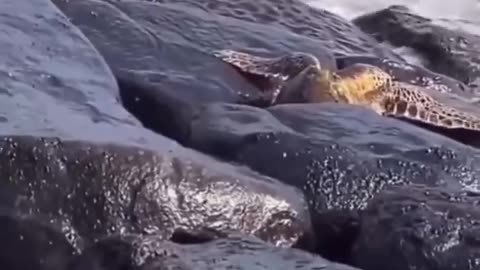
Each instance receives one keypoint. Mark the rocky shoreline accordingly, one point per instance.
(123, 146)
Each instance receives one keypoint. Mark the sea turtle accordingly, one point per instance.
(272, 72)
(303, 80)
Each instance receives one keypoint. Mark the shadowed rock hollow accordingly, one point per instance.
(231, 252)
(33, 244)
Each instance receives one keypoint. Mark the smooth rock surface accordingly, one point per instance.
(334, 32)
(232, 252)
(54, 83)
(418, 227)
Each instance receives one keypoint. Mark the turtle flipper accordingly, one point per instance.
(412, 103)
(283, 67)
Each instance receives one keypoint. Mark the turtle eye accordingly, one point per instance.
(388, 82)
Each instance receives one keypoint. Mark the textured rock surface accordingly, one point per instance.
(88, 191)
(339, 161)
(232, 252)
(417, 227)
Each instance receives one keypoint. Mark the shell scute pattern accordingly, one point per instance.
(411, 102)
(399, 99)
(381, 78)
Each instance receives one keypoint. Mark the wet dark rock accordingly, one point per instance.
(159, 109)
(88, 190)
(334, 32)
(232, 252)
(28, 244)
(54, 82)
(453, 53)
(261, 25)
(168, 69)
(420, 227)
(110, 253)
(339, 155)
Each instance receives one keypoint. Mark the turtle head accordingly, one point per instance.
(360, 84)
(310, 85)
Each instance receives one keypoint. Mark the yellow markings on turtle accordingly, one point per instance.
(370, 86)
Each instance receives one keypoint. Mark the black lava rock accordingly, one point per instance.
(136, 252)
(339, 163)
(89, 191)
(29, 244)
(418, 227)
